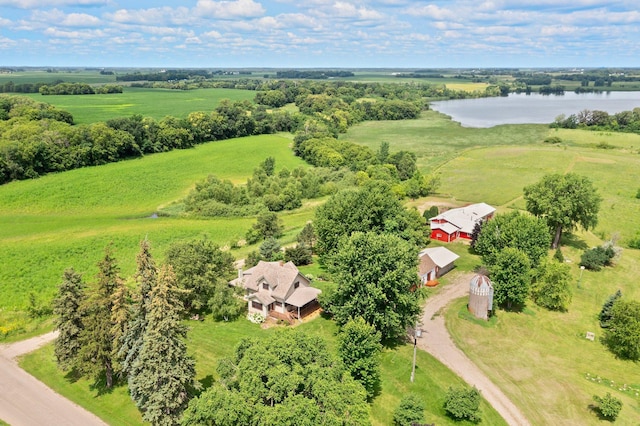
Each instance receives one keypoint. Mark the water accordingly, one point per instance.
(533, 108)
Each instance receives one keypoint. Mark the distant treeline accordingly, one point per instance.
(311, 74)
(625, 121)
(79, 89)
(418, 74)
(178, 75)
(58, 87)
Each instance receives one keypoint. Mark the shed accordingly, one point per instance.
(435, 262)
(480, 296)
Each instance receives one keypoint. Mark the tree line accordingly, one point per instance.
(78, 89)
(624, 121)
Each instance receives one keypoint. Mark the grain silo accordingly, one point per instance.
(480, 296)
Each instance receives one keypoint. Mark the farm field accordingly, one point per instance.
(71, 76)
(66, 219)
(155, 103)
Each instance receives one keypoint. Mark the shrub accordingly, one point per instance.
(594, 259)
(409, 411)
(638, 193)
(609, 406)
(553, 140)
(622, 337)
(299, 255)
(558, 255)
(635, 242)
(463, 403)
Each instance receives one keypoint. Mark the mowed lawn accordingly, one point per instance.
(66, 220)
(209, 342)
(155, 103)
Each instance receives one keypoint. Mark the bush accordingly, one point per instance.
(463, 403)
(299, 255)
(409, 411)
(609, 406)
(558, 255)
(594, 259)
(553, 140)
(431, 212)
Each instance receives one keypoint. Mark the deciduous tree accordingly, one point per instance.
(359, 347)
(551, 287)
(511, 276)
(564, 201)
(622, 337)
(376, 275)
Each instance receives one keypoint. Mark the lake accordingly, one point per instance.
(533, 108)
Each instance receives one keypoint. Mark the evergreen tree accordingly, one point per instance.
(67, 306)
(307, 236)
(605, 313)
(160, 389)
(146, 274)
(120, 317)
(96, 352)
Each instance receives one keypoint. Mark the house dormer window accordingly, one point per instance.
(265, 286)
(296, 285)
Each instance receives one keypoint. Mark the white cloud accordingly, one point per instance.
(229, 9)
(39, 4)
(153, 16)
(77, 34)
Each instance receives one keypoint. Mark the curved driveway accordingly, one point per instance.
(437, 341)
(25, 400)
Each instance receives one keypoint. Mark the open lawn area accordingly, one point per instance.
(211, 341)
(155, 103)
(542, 360)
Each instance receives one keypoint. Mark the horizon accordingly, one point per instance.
(282, 34)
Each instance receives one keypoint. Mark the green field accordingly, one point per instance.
(66, 219)
(155, 103)
(41, 76)
(209, 342)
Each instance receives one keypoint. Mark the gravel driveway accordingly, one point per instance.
(437, 341)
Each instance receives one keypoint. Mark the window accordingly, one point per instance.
(296, 284)
(256, 305)
(278, 304)
(265, 286)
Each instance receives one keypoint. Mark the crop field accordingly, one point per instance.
(155, 103)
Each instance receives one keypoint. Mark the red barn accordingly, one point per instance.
(459, 223)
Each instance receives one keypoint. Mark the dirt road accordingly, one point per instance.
(27, 401)
(437, 341)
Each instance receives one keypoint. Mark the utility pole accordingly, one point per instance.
(417, 332)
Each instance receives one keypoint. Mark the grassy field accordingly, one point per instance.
(436, 139)
(543, 361)
(210, 341)
(155, 103)
(66, 219)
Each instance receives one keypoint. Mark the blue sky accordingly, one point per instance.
(320, 33)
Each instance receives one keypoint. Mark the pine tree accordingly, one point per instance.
(605, 313)
(146, 275)
(67, 308)
(160, 389)
(120, 317)
(96, 352)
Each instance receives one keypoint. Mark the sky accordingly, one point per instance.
(320, 33)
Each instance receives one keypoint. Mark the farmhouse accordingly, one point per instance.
(435, 262)
(459, 223)
(279, 290)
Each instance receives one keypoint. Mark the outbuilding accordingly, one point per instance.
(480, 297)
(435, 262)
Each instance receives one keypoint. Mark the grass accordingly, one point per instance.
(63, 220)
(436, 139)
(75, 76)
(210, 341)
(540, 359)
(155, 103)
